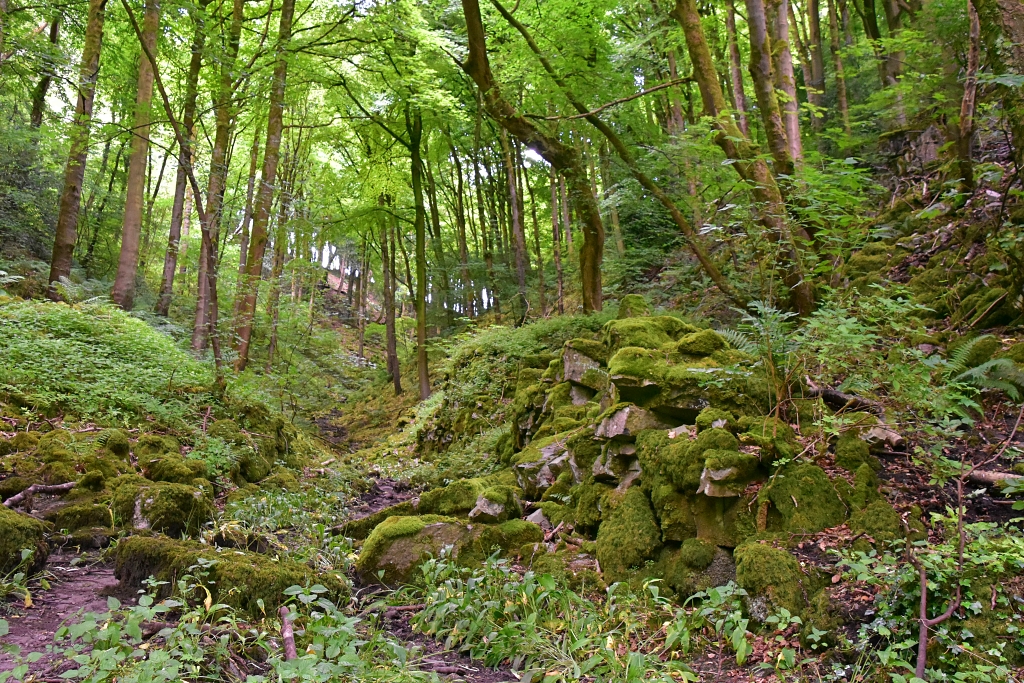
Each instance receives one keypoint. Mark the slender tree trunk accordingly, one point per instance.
(785, 78)
(735, 68)
(243, 247)
(414, 126)
(387, 261)
(74, 172)
(274, 300)
(43, 86)
(153, 191)
(437, 242)
(869, 17)
(360, 286)
(966, 129)
(566, 218)
(468, 293)
(837, 64)
(163, 302)
(816, 87)
(186, 227)
(764, 86)
(556, 246)
(541, 288)
(613, 210)
(518, 237)
(246, 297)
(123, 293)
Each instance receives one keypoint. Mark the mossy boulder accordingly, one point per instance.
(396, 547)
(694, 566)
(496, 504)
(803, 499)
(710, 418)
(633, 306)
(172, 509)
(81, 515)
(628, 537)
(227, 430)
(175, 469)
(24, 441)
(852, 451)
(12, 486)
(647, 332)
(775, 439)
(360, 528)
(20, 532)
(703, 343)
(588, 502)
(234, 577)
(458, 498)
(92, 481)
(539, 465)
(673, 510)
(282, 480)
(152, 445)
(771, 573)
(879, 521)
(115, 441)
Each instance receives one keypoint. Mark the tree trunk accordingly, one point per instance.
(74, 172)
(563, 157)
(391, 342)
(468, 293)
(817, 85)
(246, 296)
(274, 300)
(437, 242)
(163, 302)
(243, 246)
(152, 192)
(837, 64)
(541, 289)
(785, 78)
(613, 210)
(43, 86)
(566, 218)
(556, 246)
(966, 129)
(764, 85)
(123, 293)
(738, 95)
(518, 237)
(414, 127)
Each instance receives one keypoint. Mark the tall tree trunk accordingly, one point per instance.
(224, 116)
(280, 251)
(246, 296)
(817, 85)
(764, 85)
(163, 302)
(360, 296)
(123, 293)
(74, 172)
(785, 78)
(541, 289)
(43, 86)
(566, 218)
(556, 242)
(869, 17)
(837, 64)
(387, 260)
(152, 192)
(966, 128)
(437, 243)
(749, 164)
(468, 293)
(735, 68)
(613, 209)
(563, 157)
(518, 237)
(243, 246)
(414, 127)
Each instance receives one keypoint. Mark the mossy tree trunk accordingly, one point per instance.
(761, 75)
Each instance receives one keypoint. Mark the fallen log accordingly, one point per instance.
(990, 478)
(19, 498)
(838, 400)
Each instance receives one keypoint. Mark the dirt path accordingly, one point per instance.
(73, 590)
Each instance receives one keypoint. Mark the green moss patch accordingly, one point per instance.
(19, 532)
(628, 537)
(173, 509)
(804, 499)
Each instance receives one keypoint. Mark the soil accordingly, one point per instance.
(382, 493)
(74, 590)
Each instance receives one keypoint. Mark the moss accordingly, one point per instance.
(554, 370)
(595, 379)
(508, 496)
(106, 462)
(590, 348)
(281, 479)
(1014, 353)
(628, 536)
(6, 448)
(539, 361)
(981, 352)
(587, 501)
(585, 448)
(633, 306)
(237, 578)
(169, 508)
(561, 489)
(648, 333)
(25, 441)
(253, 466)
(227, 430)
(804, 499)
(518, 532)
(93, 480)
(641, 364)
(703, 343)
(879, 521)
(556, 512)
(175, 469)
(673, 509)
(458, 498)
(151, 445)
(58, 473)
(55, 441)
(361, 528)
(852, 451)
(81, 515)
(696, 554)
(865, 487)
(771, 572)
(774, 437)
(707, 418)
(683, 462)
(115, 441)
(12, 486)
(19, 532)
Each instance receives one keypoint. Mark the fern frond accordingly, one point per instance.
(999, 373)
(739, 341)
(958, 361)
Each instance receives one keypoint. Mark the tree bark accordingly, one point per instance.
(414, 127)
(437, 242)
(518, 236)
(735, 67)
(163, 303)
(816, 88)
(74, 172)
(391, 342)
(123, 293)
(254, 160)
(43, 86)
(966, 128)
(541, 288)
(764, 85)
(562, 157)
(468, 293)
(785, 78)
(837, 64)
(556, 242)
(249, 285)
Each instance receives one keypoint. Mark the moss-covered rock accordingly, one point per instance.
(458, 498)
(20, 532)
(281, 479)
(91, 481)
(703, 343)
(25, 441)
(673, 510)
(175, 469)
(360, 528)
(588, 503)
(715, 418)
(173, 509)
(397, 546)
(633, 306)
(539, 465)
(81, 515)
(153, 445)
(803, 499)
(227, 430)
(12, 486)
(115, 441)
(775, 438)
(496, 504)
(764, 571)
(648, 332)
(852, 451)
(628, 537)
(879, 521)
(237, 578)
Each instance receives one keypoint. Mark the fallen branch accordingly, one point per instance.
(989, 478)
(287, 634)
(837, 400)
(17, 499)
(551, 534)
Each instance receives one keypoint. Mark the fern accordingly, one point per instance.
(740, 341)
(958, 360)
(999, 373)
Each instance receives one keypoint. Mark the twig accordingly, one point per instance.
(17, 499)
(837, 400)
(621, 100)
(551, 534)
(287, 634)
